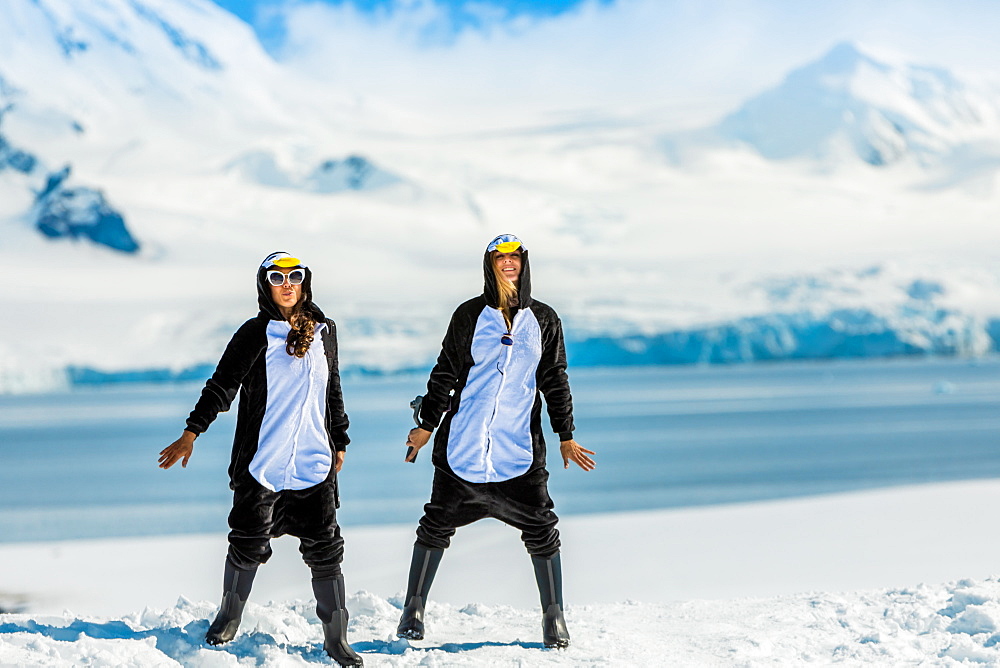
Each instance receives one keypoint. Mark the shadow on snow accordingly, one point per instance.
(177, 642)
(400, 646)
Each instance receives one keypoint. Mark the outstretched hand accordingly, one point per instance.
(179, 449)
(574, 452)
(416, 439)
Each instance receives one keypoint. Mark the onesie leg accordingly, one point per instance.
(454, 503)
(251, 524)
(311, 515)
(524, 503)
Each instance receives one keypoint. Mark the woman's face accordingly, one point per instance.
(286, 295)
(509, 264)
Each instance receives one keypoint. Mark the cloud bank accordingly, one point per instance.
(688, 59)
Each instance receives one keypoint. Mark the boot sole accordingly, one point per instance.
(222, 636)
(410, 635)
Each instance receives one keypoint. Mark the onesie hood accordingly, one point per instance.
(505, 243)
(267, 306)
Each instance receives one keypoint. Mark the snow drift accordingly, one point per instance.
(948, 625)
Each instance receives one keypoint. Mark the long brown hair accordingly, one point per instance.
(506, 291)
(303, 331)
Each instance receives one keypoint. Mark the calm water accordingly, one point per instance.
(83, 463)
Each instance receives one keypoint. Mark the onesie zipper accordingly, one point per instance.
(310, 393)
(496, 399)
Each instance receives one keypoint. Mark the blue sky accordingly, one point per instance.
(462, 13)
(245, 8)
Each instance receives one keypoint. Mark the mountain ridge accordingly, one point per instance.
(849, 102)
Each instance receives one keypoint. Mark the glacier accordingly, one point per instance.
(846, 333)
(874, 311)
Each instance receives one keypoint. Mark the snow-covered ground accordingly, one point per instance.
(887, 578)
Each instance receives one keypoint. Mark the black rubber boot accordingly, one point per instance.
(236, 584)
(423, 567)
(332, 612)
(548, 575)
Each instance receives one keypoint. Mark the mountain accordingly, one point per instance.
(151, 153)
(849, 104)
(354, 172)
(142, 91)
(61, 210)
(118, 67)
(153, 86)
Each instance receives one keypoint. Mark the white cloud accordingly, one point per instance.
(684, 55)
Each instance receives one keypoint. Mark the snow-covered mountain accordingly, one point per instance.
(354, 172)
(113, 70)
(852, 104)
(139, 137)
(147, 88)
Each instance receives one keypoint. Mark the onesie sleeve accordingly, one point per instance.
(220, 390)
(336, 418)
(444, 375)
(552, 379)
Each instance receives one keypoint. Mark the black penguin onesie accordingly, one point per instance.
(291, 419)
(489, 453)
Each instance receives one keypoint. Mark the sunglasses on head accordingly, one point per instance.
(295, 277)
(505, 243)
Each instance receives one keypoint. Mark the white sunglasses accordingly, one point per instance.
(295, 277)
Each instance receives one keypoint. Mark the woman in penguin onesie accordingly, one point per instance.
(501, 350)
(291, 438)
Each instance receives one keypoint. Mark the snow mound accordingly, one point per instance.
(941, 625)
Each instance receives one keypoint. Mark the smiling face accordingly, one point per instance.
(286, 295)
(508, 264)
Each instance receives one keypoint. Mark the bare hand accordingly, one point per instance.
(179, 449)
(574, 452)
(416, 439)
(339, 462)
